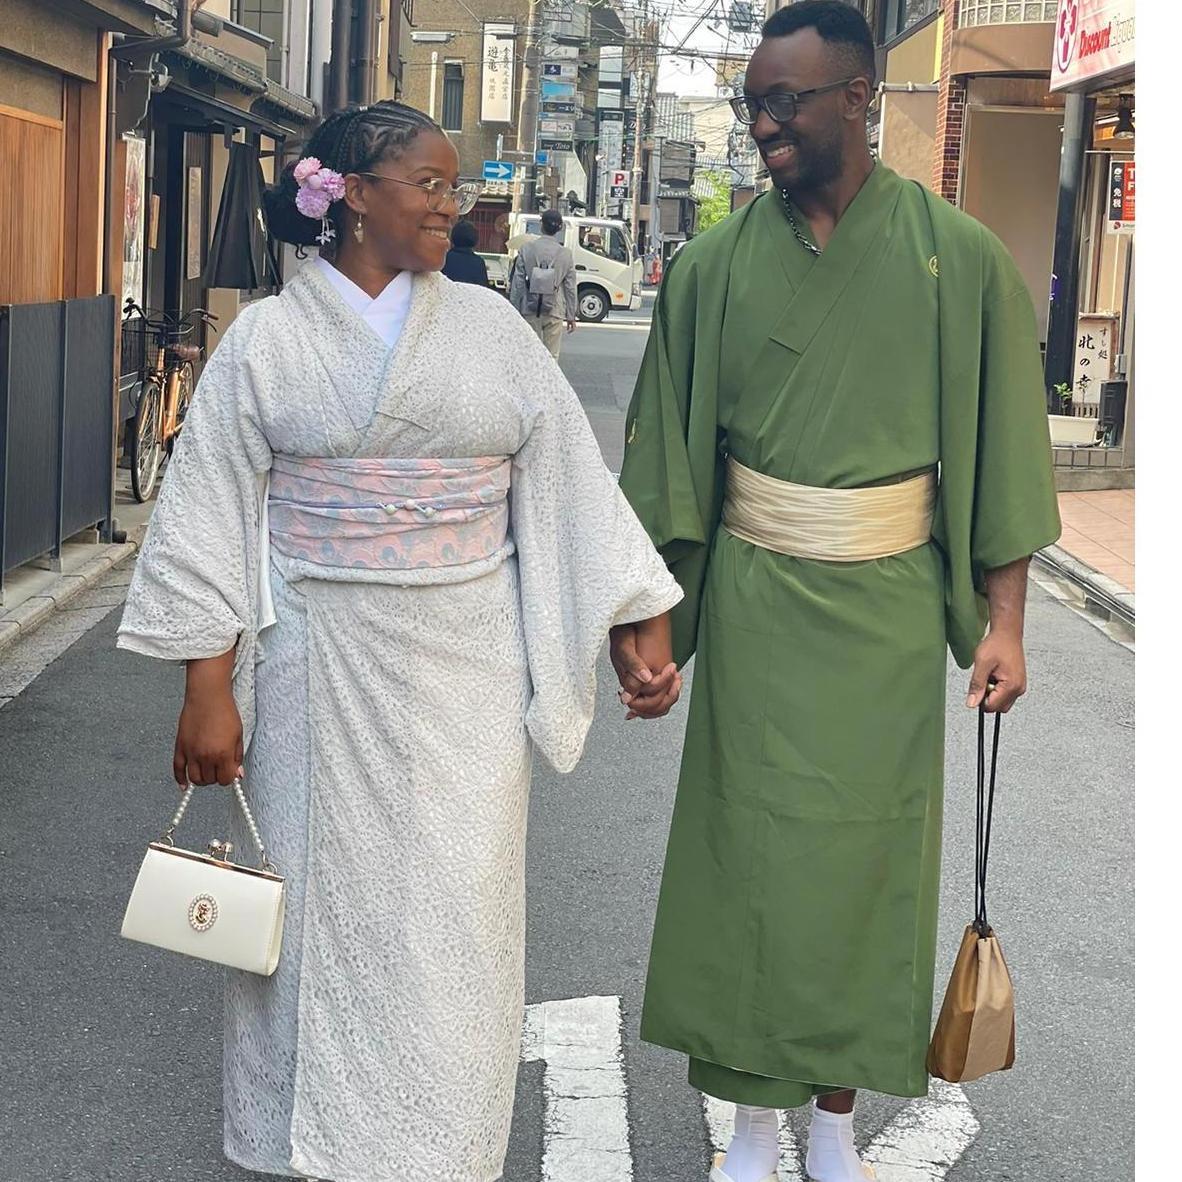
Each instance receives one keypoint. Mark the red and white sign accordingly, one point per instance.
(1094, 40)
(618, 179)
(1122, 197)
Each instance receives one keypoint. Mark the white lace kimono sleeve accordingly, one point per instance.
(193, 593)
(585, 561)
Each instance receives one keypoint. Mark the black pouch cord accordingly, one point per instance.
(984, 815)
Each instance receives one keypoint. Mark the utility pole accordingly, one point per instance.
(643, 105)
(338, 98)
(637, 170)
(525, 195)
(366, 52)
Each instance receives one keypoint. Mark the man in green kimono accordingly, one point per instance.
(839, 443)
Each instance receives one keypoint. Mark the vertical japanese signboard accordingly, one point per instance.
(1122, 197)
(496, 82)
(1094, 355)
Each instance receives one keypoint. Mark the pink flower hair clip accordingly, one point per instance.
(319, 187)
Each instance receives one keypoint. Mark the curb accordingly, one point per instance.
(26, 617)
(1102, 595)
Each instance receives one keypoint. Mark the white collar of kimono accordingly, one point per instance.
(386, 313)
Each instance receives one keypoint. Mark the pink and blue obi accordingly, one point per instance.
(388, 514)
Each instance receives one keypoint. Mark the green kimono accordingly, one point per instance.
(794, 946)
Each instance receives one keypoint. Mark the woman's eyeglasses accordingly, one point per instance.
(781, 107)
(439, 192)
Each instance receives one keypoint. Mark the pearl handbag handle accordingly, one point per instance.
(264, 862)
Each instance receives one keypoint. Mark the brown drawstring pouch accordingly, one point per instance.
(975, 1031)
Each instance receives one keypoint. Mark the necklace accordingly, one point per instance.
(810, 246)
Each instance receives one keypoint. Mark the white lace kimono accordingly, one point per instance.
(392, 713)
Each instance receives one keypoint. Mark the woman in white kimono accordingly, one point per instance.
(388, 549)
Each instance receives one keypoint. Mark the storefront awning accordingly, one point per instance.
(273, 109)
(203, 112)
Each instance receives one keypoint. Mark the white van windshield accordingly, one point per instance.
(607, 241)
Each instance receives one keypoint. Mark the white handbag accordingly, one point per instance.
(206, 906)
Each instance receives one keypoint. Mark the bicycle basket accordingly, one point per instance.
(136, 343)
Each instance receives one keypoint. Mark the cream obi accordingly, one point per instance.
(828, 524)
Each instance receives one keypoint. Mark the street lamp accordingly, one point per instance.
(1124, 119)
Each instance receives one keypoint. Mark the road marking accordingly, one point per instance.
(927, 1138)
(585, 1123)
(921, 1144)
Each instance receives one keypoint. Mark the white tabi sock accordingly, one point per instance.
(754, 1151)
(831, 1154)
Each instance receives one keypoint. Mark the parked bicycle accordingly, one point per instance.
(166, 369)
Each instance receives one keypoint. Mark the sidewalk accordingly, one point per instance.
(1098, 531)
(32, 593)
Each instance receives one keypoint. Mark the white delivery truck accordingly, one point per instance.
(609, 273)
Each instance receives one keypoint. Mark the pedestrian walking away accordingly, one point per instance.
(388, 588)
(839, 443)
(542, 285)
(463, 264)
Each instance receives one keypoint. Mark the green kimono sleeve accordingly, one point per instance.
(997, 498)
(673, 472)
(1015, 510)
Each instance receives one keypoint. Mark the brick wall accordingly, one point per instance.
(950, 112)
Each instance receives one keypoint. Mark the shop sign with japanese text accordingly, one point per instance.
(496, 83)
(1122, 196)
(1094, 355)
(1095, 40)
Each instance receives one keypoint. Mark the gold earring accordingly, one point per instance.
(359, 230)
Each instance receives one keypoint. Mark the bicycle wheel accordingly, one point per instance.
(146, 444)
(184, 396)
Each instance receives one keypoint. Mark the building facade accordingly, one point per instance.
(1023, 114)
(1029, 149)
(125, 118)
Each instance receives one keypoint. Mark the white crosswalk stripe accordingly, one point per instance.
(585, 1135)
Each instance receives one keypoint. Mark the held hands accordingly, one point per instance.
(209, 734)
(999, 672)
(642, 654)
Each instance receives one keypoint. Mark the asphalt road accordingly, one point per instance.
(111, 1052)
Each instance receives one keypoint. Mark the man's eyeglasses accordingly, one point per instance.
(781, 107)
(439, 192)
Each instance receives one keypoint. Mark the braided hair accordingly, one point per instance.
(352, 140)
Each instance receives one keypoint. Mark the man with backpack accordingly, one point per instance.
(542, 286)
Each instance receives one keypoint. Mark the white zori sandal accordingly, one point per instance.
(867, 1171)
(718, 1175)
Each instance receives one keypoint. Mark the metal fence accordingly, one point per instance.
(56, 407)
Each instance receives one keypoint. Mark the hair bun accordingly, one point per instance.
(284, 220)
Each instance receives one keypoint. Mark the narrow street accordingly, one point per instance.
(112, 1050)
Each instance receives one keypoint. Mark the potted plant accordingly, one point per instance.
(1061, 400)
(1068, 430)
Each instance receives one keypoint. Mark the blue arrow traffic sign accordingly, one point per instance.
(498, 170)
